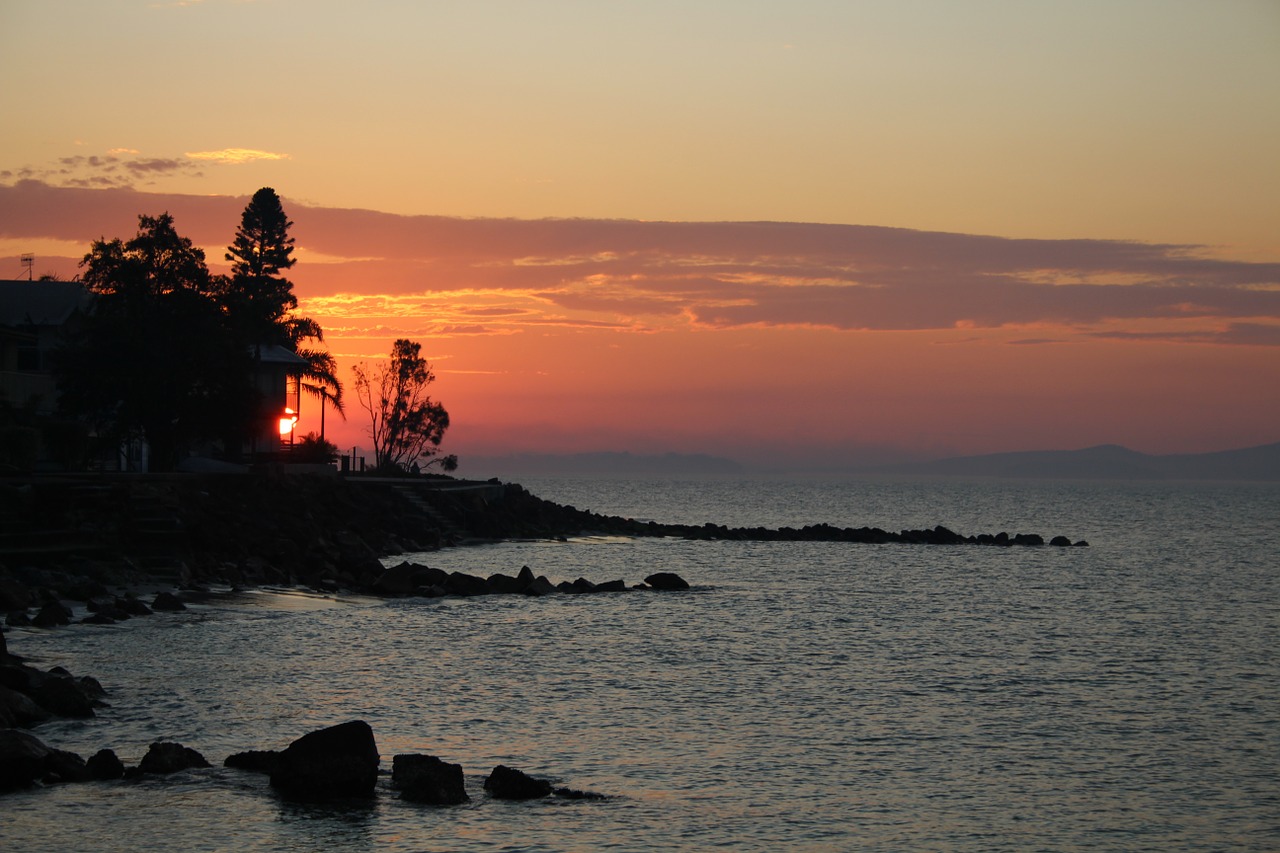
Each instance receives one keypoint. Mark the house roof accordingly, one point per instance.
(273, 354)
(41, 303)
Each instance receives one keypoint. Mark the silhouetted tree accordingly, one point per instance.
(257, 297)
(406, 424)
(259, 301)
(155, 359)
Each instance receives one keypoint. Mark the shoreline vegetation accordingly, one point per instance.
(97, 542)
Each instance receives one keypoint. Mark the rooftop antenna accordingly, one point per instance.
(29, 261)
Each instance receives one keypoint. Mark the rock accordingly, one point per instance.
(15, 619)
(167, 601)
(4, 645)
(573, 794)
(104, 764)
(61, 696)
(467, 585)
(340, 761)
(24, 759)
(581, 585)
(19, 710)
(61, 766)
(1060, 541)
(507, 783)
(97, 619)
(539, 586)
(90, 687)
(255, 760)
(167, 757)
(525, 577)
(397, 580)
(133, 606)
(501, 584)
(408, 578)
(14, 595)
(427, 779)
(52, 615)
(612, 586)
(666, 581)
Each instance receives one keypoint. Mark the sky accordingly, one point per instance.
(780, 232)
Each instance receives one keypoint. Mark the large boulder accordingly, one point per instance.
(666, 581)
(340, 761)
(507, 783)
(427, 779)
(167, 757)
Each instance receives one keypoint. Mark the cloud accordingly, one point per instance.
(502, 275)
(235, 156)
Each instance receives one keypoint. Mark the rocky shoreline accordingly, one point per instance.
(97, 541)
(76, 537)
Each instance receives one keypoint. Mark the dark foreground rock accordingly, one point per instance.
(427, 779)
(25, 759)
(338, 762)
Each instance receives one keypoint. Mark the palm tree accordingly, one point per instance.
(320, 377)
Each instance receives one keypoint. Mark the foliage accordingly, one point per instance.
(312, 448)
(406, 424)
(260, 301)
(256, 296)
(155, 358)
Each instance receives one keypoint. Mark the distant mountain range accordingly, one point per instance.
(604, 463)
(1106, 462)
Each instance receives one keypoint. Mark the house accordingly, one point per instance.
(33, 317)
(276, 377)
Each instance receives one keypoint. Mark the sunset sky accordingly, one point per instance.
(850, 230)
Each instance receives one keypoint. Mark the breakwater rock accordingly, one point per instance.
(339, 763)
(72, 538)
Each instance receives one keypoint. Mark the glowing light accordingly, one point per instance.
(287, 421)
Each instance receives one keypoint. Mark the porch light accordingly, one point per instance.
(287, 421)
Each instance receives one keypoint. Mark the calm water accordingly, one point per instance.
(807, 696)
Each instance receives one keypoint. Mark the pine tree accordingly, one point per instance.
(257, 297)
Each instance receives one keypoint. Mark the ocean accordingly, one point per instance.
(802, 696)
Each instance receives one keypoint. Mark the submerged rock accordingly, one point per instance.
(666, 581)
(507, 783)
(167, 757)
(255, 760)
(340, 761)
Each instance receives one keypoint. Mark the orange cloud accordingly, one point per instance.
(752, 338)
